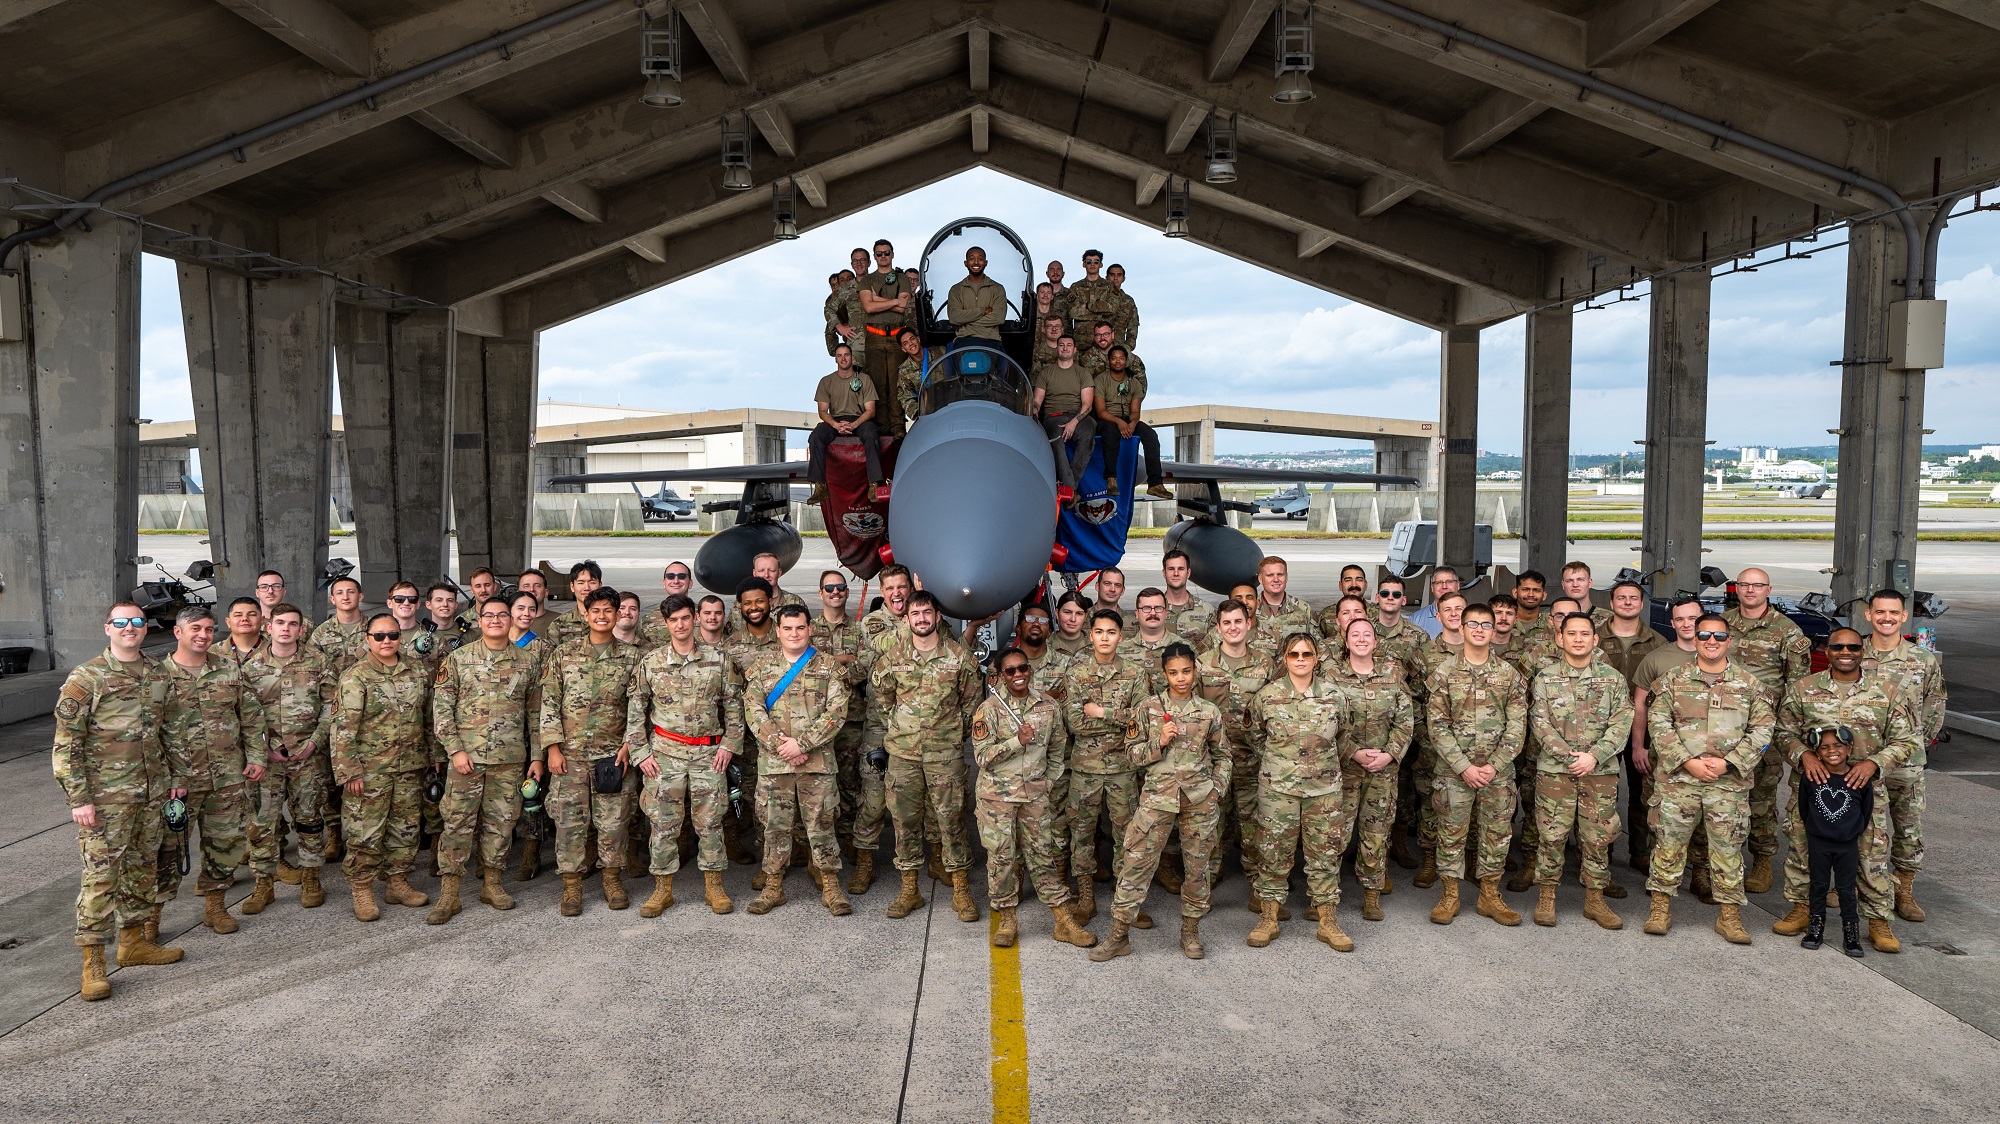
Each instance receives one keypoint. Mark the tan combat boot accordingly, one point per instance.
(1906, 896)
(832, 896)
(1595, 909)
(447, 906)
(961, 896)
(1169, 874)
(1400, 850)
(1729, 924)
(1427, 871)
(813, 873)
(1490, 903)
(95, 984)
(490, 890)
(1881, 936)
(1085, 906)
(152, 926)
(1700, 886)
(311, 894)
(1759, 878)
(663, 896)
(864, 873)
(1447, 906)
(772, 896)
(398, 889)
(1661, 918)
(136, 948)
(1524, 877)
(1191, 944)
(365, 908)
(614, 888)
(1267, 928)
(1330, 933)
(1115, 945)
(1006, 927)
(335, 848)
(216, 915)
(1793, 923)
(1613, 890)
(936, 866)
(1371, 905)
(1143, 921)
(1545, 908)
(260, 897)
(711, 889)
(287, 873)
(1068, 931)
(572, 895)
(909, 899)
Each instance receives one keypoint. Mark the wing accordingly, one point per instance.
(1234, 474)
(776, 473)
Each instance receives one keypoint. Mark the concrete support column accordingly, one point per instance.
(1404, 456)
(493, 455)
(1195, 444)
(1881, 428)
(396, 402)
(1545, 442)
(260, 364)
(1676, 432)
(69, 443)
(763, 444)
(1458, 456)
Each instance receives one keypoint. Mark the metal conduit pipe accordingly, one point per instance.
(313, 112)
(1937, 224)
(1913, 238)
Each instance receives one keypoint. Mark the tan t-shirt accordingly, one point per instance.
(845, 397)
(1117, 401)
(1062, 387)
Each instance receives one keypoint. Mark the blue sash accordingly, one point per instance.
(778, 692)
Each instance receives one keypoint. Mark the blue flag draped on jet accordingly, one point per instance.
(1095, 531)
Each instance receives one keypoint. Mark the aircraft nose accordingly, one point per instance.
(973, 509)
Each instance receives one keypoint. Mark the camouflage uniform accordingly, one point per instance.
(1124, 319)
(1144, 654)
(1293, 615)
(1885, 727)
(1478, 716)
(924, 705)
(485, 703)
(1179, 789)
(737, 625)
(877, 629)
(1071, 648)
(1298, 786)
(1090, 303)
(345, 644)
(835, 310)
(1013, 804)
(1190, 622)
(381, 719)
(1420, 809)
(1230, 684)
(107, 754)
(212, 725)
(1380, 716)
(679, 710)
(1919, 676)
(583, 708)
(297, 694)
(1690, 714)
(858, 785)
(1051, 678)
(1772, 649)
(811, 711)
(743, 649)
(1578, 710)
(1102, 777)
(558, 629)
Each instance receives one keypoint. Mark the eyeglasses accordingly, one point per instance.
(1152, 608)
(1477, 624)
(1301, 655)
(1710, 634)
(270, 585)
(1843, 647)
(404, 599)
(833, 589)
(499, 616)
(1093, 261)
(1753, 585)
(384, 637)
(127, 622)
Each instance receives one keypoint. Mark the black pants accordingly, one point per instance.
(1070, 467)
(824, 435)
(1107, 442)
(1829, 860)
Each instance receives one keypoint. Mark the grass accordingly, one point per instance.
(1790, 536)
(1707, 517)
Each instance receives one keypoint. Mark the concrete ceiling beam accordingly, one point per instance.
(979, 58)
(1183, 122)
(1312, 242)
(472, 130)
(16, 11)
(982, 129)
(579, 200)
(812, 187)
(1147, 186)
(1240, 26)
(1379, 193)
(711, 24)
(652, 247)
(1983, 12)
(775, 125)
(1488, 123)
(1618, 30)
(1950, 148)
(315, 29)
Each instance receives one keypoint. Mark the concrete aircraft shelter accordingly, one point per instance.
(403, 194)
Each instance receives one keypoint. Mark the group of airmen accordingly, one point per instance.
(1089, 384)
(1128, 746)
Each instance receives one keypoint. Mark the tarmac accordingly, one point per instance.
(799, 1016)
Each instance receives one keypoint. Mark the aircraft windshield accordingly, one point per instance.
(943, 266)
(976, 373)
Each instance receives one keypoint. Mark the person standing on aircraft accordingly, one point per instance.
(846, 401)
(886, 297)
(1091, 300)
(910, 374)
(1063, 401)
(1124, 310)
(977, 305)
(1121, 391)
(1050, 331)
(843, 311)
(837, 330)
(1059, 294)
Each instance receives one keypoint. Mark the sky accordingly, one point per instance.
(1216, 330)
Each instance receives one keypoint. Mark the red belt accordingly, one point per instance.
(874, 331)
(683, 739)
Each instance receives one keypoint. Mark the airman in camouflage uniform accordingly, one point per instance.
(1578, 711)
(683, 711)
(1380, 716)
(1885, 731)
(1478, 720)
(858, 784)
(1093, 301)
(877, 629)
(1051, 678)
(381, 746)
(1230, 683)
(1124, 317)
(1919, 677)
(924, 704)
(585, 689)
(1011, 738)
(1144, 654)
(1773, 649)
(297, 694)
(1298, 797)
(485, 708)
(214, 732)
(1102, 777)
(108, 759)
(1722, 716)
(810, 712)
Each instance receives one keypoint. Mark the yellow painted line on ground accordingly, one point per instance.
(1010, 1034)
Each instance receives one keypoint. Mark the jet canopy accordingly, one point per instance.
(1008, 262)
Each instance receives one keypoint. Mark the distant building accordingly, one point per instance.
(1788, 470)
(1992, 451)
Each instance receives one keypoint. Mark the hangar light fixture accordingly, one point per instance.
(1177, 207)
(784, 211)
(1294, 52)
(736, 153)
(660, 59)
(1221, 149)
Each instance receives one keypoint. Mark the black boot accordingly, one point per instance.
(1850, 937)
(1815, 929)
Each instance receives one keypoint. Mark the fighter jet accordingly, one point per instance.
(1292, 503)
(975, 508)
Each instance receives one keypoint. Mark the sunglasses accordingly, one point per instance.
(1390, 594)
(1017, 669)
(833, 589)
(384, 637)
(885, 253)
(404, 598)
(1843, 647)
(1301, 655)
(127, 622)
(1710, 634)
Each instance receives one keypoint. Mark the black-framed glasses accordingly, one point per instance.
(384, 637)
(127, 622)
(1710, 634)
(270, 585)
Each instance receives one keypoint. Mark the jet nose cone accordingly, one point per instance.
(973, 512)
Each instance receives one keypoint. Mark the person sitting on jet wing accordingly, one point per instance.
(977, 305)
(846, 399)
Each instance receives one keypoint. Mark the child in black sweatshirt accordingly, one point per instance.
(1835, 816)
